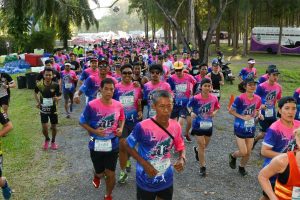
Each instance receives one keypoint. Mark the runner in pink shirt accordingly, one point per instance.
(186, 62)
(182, 86)
(152, 86)
(104, 120)
(155, 139)
(130, 96)
(199, 77)
(203, 107)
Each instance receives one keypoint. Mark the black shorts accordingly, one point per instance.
(179, 111)
(128, 127)
(45, 118)
(165, 194)
(207, 133)
(104, 160)
(265, 124)
(68, 95)
(273, 186)
(4, 100)
(244, 136)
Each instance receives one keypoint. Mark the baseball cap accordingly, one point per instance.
(215, 62)
(249, 80)
(103, 63)
(273, 71)
(178, 65)
(68, 63)
(251, 61)
(93, 59)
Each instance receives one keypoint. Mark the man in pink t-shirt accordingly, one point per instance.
(155, 139)
(104, 120)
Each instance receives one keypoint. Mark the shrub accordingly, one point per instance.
(41, 40)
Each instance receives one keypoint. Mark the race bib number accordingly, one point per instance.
(103, 145)
(161, 165)
(152, 113)
(195, 71)
(68, 85)
(127, 101)
(216, 93)
(269, 112)
(181, 88)
(296, 193)
(205, 125)
(47, 102)
(249, 123)
(99, 95)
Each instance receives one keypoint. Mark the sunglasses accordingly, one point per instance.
(155, 72)
(178, 70)
(102, 66)
(126, 73)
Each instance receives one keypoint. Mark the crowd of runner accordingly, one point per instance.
(141, 101)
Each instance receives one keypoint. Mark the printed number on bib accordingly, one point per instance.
(99, 95)
(249, 123)
(296, 193)
(68, 85)
(152, 112)
(216, 93)
(103, 145)
(181, 88)
(205, 125)
(127, 101)
(161, 165)
(47, 102)
(269, 112)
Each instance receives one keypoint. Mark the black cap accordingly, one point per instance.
(249, 80)
(273, 71)
(103, 63)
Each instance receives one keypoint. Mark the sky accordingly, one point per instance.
(101, 12)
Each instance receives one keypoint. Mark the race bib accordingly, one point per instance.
(195, 71)
(99, 95)
(127, 101)
(68, 85)
(296, 193)
(216, 93)
(161, 165)
(47, 102)
(269, 112)
(181, 88)
(152, 112)
(249, 123)
(205, 125)
(103, 145)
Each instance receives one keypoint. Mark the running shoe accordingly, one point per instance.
(6, 192)
(128, 166)
(123, 177)
(196, 153)
(109, 197)
(68, 116)
(242, 171)
(187, 138)
(254, 143)
(96, 182)
(202, 171)
(46, 145)
(232, 161)
(54, 146)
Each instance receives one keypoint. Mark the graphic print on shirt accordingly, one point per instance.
(271, 96)
(106, 121)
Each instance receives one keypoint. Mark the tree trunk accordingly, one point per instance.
(192, 27)
(173, 21)
(153, 29)
(235, 30)
(218, 31)
(280, 37)
(245, 40)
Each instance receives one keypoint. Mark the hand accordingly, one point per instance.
(119, 132)
(247, 117)
(38, 105)
(100, 131)
(213, 114)
(150, 170)
(140, 115)
(136, 84)
(263, 106)
(261, 117)
(179, 165)
(76, 99)
(55, 99)
(193, 115)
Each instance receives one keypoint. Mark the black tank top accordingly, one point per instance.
(216, 78)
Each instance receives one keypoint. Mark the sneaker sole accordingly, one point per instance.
(196, 153)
